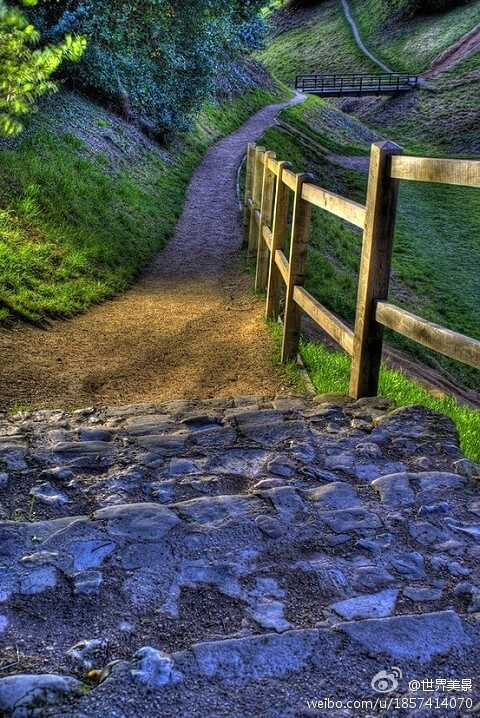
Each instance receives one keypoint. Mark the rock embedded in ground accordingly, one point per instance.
(24, 696)
(411, 638)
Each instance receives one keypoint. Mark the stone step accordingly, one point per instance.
(234, 542)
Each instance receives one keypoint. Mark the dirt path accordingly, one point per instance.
(455, 53)
(190, 328)
(358, 39)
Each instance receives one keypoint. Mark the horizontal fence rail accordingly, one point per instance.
(356, 83)
(268, 222)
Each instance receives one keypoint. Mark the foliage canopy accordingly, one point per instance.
(155, 60)
(25, 69)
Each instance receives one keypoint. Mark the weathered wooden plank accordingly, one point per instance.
(279, 233)
(282, 263)
(347, 209)
(375, 265)
(256, 201)
(302, 211)
(267, 236)
(266, 211)
(247, 204)
(445, 341)
(256, 216)
(273, 165)
(429, 169)
(290, 179)
(334, 326)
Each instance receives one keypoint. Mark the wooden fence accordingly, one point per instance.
(267, 223)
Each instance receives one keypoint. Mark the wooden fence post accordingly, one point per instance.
(266, 209)
(375, 266)
(302, 211)
(256, 202)
(248, 191)
(279, 233)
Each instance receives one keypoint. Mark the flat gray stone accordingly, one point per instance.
(216, 508)
(48, 494)
(337, 495)
(95, 435)
(394, 490)
(38, 580)
(138, 521)
(286, 501)
(183, 467)
(270, 614)
(238, 462)
(435, 480)
(269, 526)
(412, 638)
(341, 462)
(149, 424)
(270, 435)
(25, 695)
(419, 594)
(411, 565)
(87, 583)
(372, 577)
(89, 554)
(282, 466)
(426, 533)
(472, 530)
(86, 454)
(256, 657)
(214, 437)
(374, 605)
(356, 519)
(153, 668)
(165, 444)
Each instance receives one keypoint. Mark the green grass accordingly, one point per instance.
(321, 42)
(436, 258)
(83, 212)
(335, 131)
(412, 45)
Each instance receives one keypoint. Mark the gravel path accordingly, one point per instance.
(358, 39)
(190, 328)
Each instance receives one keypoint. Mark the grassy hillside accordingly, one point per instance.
(316, 39)
(453, 101)
(411, 44)
(86, 201)
(319, 39)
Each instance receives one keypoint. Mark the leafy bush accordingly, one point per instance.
(157, 60)
(24, 71)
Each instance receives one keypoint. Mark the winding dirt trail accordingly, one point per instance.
(462, 48)
(190, 328)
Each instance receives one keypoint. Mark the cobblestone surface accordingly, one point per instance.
(242, 555)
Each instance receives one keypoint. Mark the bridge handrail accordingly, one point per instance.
(353, 80)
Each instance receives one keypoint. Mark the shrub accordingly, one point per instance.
(25, 71)
(156, 60)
